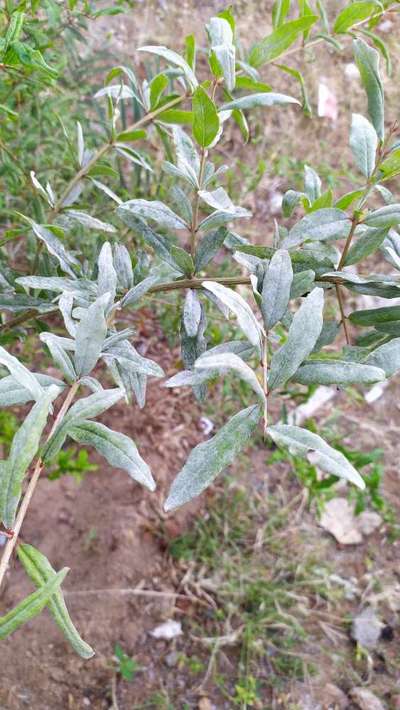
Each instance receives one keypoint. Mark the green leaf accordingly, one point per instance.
(183, 260)
(205, 118)
(31, 606)
(90, 336)
(365, 245)
(132, 135)
(154, 210)
(355, 13)
(384, 217)
(326, 223)
(276, 288)
(223, 362)
(221, 40)
(367, 60)
(190, 51)
(176, 116)
(245, 316)
(387, 357)
(391, 165)
(24, 447)
(334, 372)
(209, 458)
(157, 86)
(303, 334)
(372, 316)
(173, 58)
(21, 374)
(119, 450)
(275, 44)
(209, 246)
(41, 573)
(346, 200)
(301, 442)
(280, 11)
(265, 99)
(363, 143)
(300, 79)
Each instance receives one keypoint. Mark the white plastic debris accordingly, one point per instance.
(206, 425)
(327, 102)
(167, 631)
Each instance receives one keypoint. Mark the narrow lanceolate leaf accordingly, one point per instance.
(154, 210)
(88, 221)
(279, 41)
(24, 448)
(90, 336)
(366, 244)
(60, 356)
(191, 313)
(326, 223)
(367, 60)
(325, 372)
(107, 275)
(276, 288)
(208, 459)
(205, 118)
(301, 441)
(173, 58)
(209, 246)
(354, 13)
(363, 144)
(303, 334)
(41, 573)
(265, 99)
(21, 374)
(387, 216)
(387, 357)
(31, 606)
(374, 316)
(119, 450)
(312, 184)
(223, 362)
(11, 392)
(221, 41)
(245, 316)
(126, 355)
(123, 266)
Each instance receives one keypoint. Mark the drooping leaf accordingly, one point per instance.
(329, 372)
(88, 221)
(245, 316)
(303, 334)
(21, 374)
(41, 573)
(154, 210)
(208, 459)
(276, 288)
(173, 58)
(119, 450)
(223, 362)
(387, 216)
(221, 41)
(363, 143)
(31, 606)
(12, 392)
(301, 442)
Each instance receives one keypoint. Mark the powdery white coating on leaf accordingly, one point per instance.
(154, 210)
(276, 288)
(301, 441)
(245, 316)
(325, 223)
(223, 362)
(209, 458)
(20, 373)
(367, 60)
(90, 336)
(173, 58)
(119, 450)
(303, 333)
(323, 372)
(266, 99)
(386, 356)
(363, 143)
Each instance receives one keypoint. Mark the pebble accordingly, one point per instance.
(365, 699)
(334, 698)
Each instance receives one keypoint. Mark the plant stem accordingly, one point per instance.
(265, 379)
(342, 314)
(195, 218)
(9, 548)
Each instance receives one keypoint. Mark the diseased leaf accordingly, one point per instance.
(326, 223)
(173, 58)
(154, 210)
(367, 60)
(363, 143)
(387, 216)
(245, 316)
(209, 246)
(191, 313)
(301, 441)
(41, 573)
(88, 221)
(208, 459)
(119, 450)
(265, 99)
(276, 288)
(107, 275)
(21, 374)
(312, 184)
(12, 392)
(31, 606)
(90, 336)
(223, 362)
(334, 372)
(23, 450)
(367, 243)
(386, 356)
(303, 334)
(221, 40)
